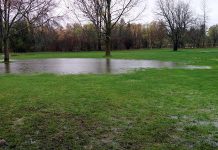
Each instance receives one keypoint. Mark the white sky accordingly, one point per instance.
(212, 7)
(149, 14)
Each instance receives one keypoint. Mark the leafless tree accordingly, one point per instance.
(92, 10)
(205, 18)
(105, 14)
(177, 15)
(12, 11)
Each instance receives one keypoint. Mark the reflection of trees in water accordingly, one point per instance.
(83, 66)
(7, 68)
(108, 65)
(102, 66)
(93, 66)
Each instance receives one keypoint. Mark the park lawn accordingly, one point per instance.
(148, 109)
(190, 56)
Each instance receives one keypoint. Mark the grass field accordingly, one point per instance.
(148, 109)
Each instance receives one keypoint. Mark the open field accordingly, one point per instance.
(148, 109)
(192, 56)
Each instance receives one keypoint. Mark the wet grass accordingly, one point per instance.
(191, 56)
(148, 109)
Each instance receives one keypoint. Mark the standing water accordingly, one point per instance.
(86, 66)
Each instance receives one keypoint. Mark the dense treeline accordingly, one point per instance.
(77, 37)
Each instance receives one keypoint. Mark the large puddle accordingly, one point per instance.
(86, 66)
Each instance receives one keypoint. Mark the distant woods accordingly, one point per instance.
(28, 26)
(77, 37)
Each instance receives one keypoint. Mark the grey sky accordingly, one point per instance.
(212, 6)
(149, 14)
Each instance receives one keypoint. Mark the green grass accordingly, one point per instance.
(148, 109)
(191, 56)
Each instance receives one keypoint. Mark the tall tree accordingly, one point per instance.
(92, 10)
(113, 11)
(177, 16)
(12, 11)
(110, 11)
(205, 18)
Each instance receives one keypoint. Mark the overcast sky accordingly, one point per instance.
(149, 15)
(212, 7)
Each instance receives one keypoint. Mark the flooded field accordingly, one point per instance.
(86, 66)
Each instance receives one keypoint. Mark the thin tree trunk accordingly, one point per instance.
(6, 31)
(1, 27)
(108, 46)
(6, 50)
(108, 30)
(99, 41)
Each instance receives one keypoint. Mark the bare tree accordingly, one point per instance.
(91, 9)
(12, 11)
(178, 16)
(205, 18)
(156, 32)
(105, 14)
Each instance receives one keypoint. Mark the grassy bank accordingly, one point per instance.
(151, 109)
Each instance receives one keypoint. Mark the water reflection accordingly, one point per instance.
(86, 66)
(7, 67)
(108, 65)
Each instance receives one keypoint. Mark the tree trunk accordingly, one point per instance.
(99, 41)
(108, 29)
(108, 40)
(108, 46)
(1, 27)
(203, 42)
(175, 45)
(214, 43)
(5, 30)
(6, 50)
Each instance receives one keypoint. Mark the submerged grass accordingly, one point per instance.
(148, 109)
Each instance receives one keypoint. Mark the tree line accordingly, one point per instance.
(77, 37)
(29, 26)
